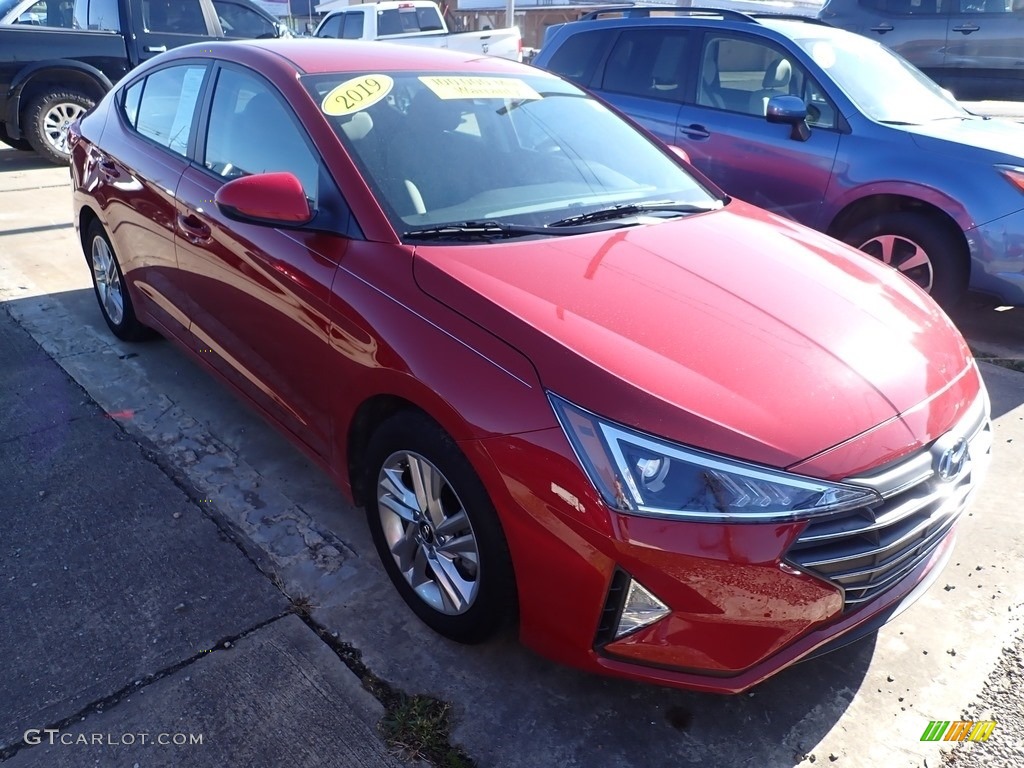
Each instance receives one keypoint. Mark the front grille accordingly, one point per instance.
(869, 550)
(612, 608)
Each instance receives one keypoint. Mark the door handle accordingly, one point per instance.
(195, 231)
(966, 29)
(882, 28)
(156, 48)
(695, 131)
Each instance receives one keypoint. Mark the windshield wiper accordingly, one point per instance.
(631, 209)
(474, 230)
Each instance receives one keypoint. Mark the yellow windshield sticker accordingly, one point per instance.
(479, 88)
(356, 94)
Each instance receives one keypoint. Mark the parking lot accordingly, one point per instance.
(866, 704)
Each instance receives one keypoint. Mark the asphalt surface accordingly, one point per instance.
(865, 705)
(128, 614)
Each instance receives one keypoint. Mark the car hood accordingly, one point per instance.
(976, 134)
(735, 331)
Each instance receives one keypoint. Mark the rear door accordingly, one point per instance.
(915, 29)
(166, 24)
(646, 74)
(725, 133)
(985, 49)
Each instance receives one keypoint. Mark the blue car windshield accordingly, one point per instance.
(525, 149)
(886, 87)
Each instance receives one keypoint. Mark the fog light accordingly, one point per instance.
(639, 609)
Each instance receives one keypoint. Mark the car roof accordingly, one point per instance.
(319, 56)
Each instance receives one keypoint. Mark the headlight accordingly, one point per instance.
(644, 475)
(1014, 174)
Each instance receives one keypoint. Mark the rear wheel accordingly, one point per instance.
(436, 530)
(111, 290)
(925, 249)
(48, 117)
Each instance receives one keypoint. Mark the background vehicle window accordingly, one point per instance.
(648, 63)
(912, 7)
(45, 13)
(989, 6)
(741, 75)
(104, 14)
(252, 131)
(184, 17)
(168, 104)
(238, 21)
(331, 27)
(578, 57)
(353, 29)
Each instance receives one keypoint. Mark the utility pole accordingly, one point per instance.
(510, 13)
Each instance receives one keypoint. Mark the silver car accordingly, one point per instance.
(974, 48)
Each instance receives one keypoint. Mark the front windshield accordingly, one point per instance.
(527, 150)
(886, 87)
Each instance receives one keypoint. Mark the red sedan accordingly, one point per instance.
(573, 383)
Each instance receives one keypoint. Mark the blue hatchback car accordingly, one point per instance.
(823, 126)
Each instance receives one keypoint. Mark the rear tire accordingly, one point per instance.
(925, 249)
(436, 530)
(110, 287)
(47, 119)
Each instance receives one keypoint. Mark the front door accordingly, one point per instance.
(167, 24)
(985, 50)
(726, 135)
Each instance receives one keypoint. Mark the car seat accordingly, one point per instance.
(775, 83)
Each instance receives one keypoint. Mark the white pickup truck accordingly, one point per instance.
(416, 22)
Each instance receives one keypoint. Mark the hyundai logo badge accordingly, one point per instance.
(951, 462)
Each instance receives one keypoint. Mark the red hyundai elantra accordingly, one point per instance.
(681, 439)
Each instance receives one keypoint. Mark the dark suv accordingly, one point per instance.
(975, 48)
(822, 126)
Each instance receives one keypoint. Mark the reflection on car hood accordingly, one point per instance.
(1001, 136)
(759, 339)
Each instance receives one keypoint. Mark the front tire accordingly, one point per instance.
(928, 251)
(48, 117)
(110, 287)
(436, 530)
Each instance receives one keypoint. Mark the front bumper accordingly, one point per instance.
(745, 602)
(997, 258)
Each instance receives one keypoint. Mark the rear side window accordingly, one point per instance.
(183, 17)
(97, 14)
(353, 27)
(167, 105)
(648, 62)
(578, 55)
(396, 21)
(240, 21)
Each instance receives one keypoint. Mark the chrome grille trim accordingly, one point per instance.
(868, 550)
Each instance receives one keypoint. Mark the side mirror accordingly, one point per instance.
(265, 198)
(789, 110)
(679, 152)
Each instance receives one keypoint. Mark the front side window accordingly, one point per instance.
(167, 105)
(239, 21)
(251, 130)
(183, 17)
(353, 27)
(649, 63)
(527, 150)
(331, 26)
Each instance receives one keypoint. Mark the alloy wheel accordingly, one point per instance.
(108, 281)
(56, 122)
(428, 532)
(905, 255)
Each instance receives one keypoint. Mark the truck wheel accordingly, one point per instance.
(47, 119)
(19, 144)
(923, 248)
